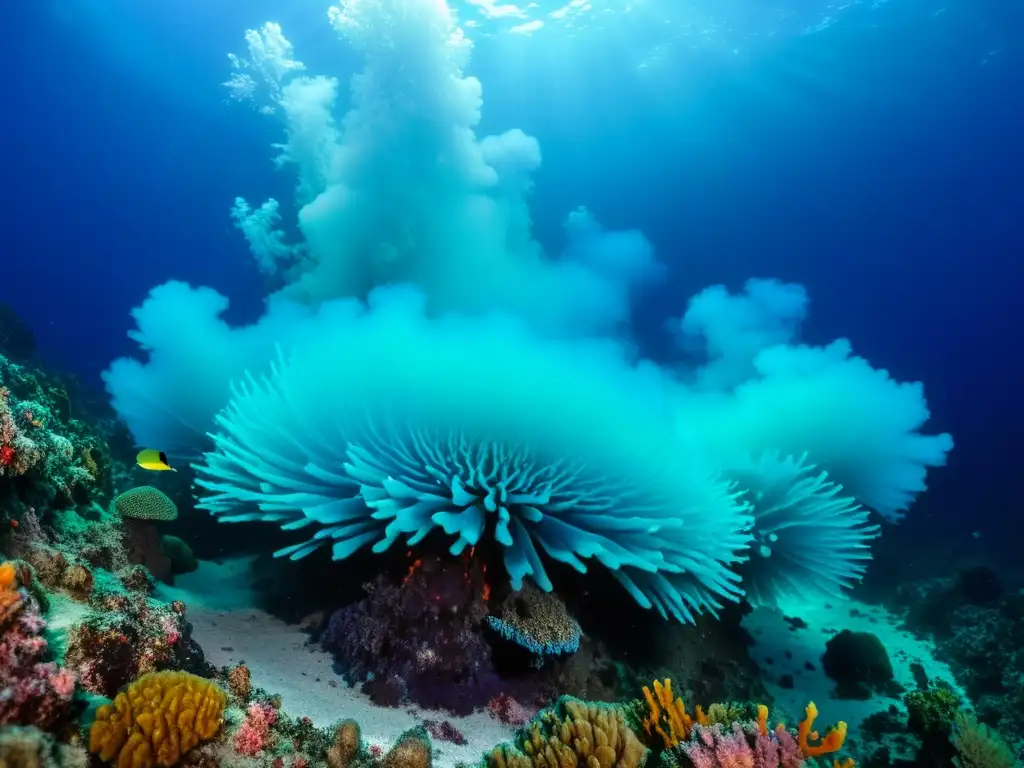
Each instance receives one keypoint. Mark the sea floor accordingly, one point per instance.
(783, 651)
(230, 630)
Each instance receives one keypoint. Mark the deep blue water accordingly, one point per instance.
(878, 162)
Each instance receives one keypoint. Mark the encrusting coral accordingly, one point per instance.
(538, 621)
(157, 719)
(573, 733)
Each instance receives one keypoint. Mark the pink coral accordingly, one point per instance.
(715, 747)
(254, 735)
(33, 692)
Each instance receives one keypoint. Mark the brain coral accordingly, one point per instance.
(157, 719)
(145, 503)
(389, 427)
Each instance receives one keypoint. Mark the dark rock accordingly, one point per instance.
(859, 664)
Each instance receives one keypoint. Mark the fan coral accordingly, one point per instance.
(391, 429)
(159, 718)
(809, 541)
(978, 746)
(32, 692)
(538, 621)
(571, 733)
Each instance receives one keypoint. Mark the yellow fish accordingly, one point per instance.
(154, 460)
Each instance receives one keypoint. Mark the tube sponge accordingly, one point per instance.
(809, 541)
(393, 426)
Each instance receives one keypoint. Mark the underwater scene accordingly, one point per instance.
(511, 384)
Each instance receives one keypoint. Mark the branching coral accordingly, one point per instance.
(573, 733)
(157, 719)
(32, 691)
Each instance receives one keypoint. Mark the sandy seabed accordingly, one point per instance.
(230, 630)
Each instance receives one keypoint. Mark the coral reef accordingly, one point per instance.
(157, 719)
(47, 458)
(29, 747)
(977, 626)
(33, 691)
(727, 734)
(126, 637)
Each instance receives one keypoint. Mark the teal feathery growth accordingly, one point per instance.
(398, 426)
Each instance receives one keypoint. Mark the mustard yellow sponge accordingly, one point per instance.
(157, 719)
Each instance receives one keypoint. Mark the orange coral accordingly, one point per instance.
(832, 742)
(668, 717)
(10, 597)
(762, 719)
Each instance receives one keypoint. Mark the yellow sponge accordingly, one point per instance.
(157, 719)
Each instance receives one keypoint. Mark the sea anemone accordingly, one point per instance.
(390, 426)
(810, 539)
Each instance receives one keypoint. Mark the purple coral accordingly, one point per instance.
(425, 634)
(33, 692)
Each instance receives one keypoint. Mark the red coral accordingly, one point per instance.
(33, 692)
(254, 735)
